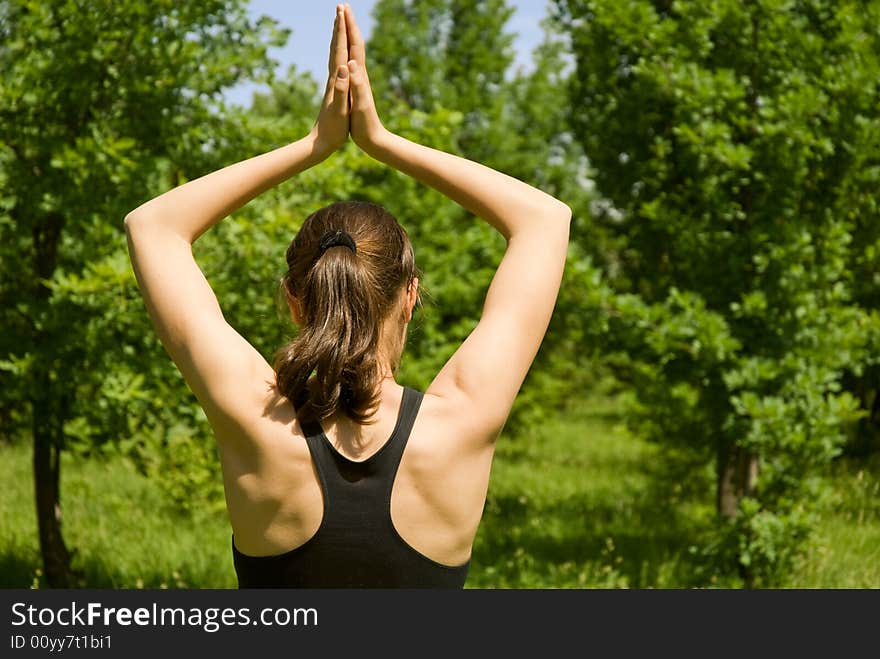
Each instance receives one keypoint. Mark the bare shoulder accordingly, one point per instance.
(264, 443)
(245, 426)
(263, 451)
(450, 424)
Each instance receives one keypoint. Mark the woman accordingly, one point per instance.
(335, 474)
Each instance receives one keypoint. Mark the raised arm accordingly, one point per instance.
(486, 372)
(217, 363)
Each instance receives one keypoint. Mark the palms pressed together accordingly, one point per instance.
(347, 106)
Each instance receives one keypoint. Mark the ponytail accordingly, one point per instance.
(346, 268)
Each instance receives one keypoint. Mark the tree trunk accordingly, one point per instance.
(47, 473)
(737, 473)
(47, 403)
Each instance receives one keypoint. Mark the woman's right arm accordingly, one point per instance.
(485, 374)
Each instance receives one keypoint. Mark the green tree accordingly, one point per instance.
(728, 140)
(100, 103)
(451, 54)
(864, 212)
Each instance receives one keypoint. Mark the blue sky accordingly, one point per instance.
(311, 20)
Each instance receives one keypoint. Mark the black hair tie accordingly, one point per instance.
(335, 239)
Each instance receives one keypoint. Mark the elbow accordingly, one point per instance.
(137, 219)
(555, 214)
(131, 219)
(138, 227)
(560, 219)
(560, 232)
(563, 212)
(146, 227)
(552, 222)
(141, 215)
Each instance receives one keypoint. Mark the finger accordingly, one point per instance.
(334, 42)
(361, 96)
(341, 85)
(356, 46)
(339, 50)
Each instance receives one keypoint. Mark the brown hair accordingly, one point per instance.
(344, 298)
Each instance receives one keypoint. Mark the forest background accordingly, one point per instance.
(704, 410)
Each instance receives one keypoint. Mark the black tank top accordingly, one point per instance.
(356, 545)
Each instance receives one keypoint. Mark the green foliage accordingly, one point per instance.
(103, 105)
(728, 141)
(449, 53)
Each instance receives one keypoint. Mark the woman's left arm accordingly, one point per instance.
(218, 364)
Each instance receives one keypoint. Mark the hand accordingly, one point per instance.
(331, 129)
(366, 127)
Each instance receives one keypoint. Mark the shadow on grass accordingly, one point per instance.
(18, 568)
(592, 544)
(627, 517)
(22, 569)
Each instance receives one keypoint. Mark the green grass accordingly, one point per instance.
(581, 504)
(845, 552)
(578, 506)
(124, 530)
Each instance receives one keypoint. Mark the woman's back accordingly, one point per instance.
(275, 499)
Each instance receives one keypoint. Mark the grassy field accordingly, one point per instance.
(579, 505)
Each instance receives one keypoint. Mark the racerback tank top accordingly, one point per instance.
(356, 545)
